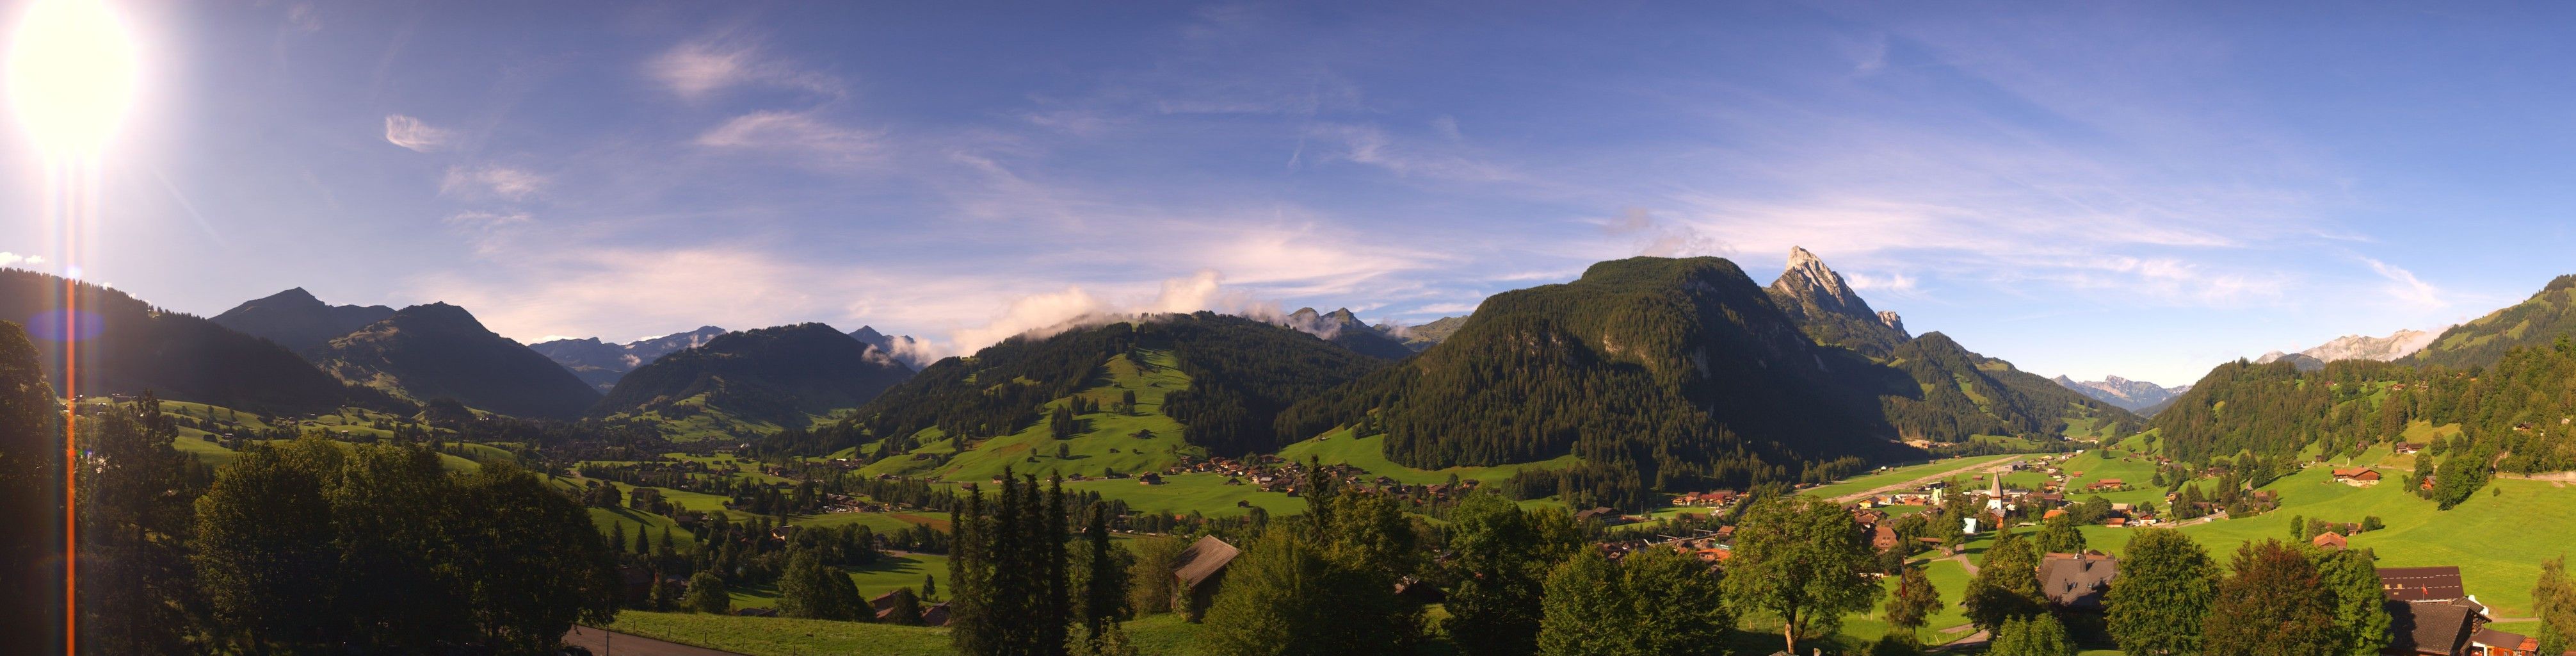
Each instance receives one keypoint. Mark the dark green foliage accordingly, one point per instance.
(1653, 602)
(2274, 604)
(2553, 599)
(1321, 583)
(141, 348)
(2035, 635)
(2166, 586)
(2360, 611)
(296, 545)
(1804, 561)
(1104, 575)
(135, 579)
(813, 590)
(30, 491)
(707, 594)
(1500, 558)
(2005, 401)
(778, 375)
(2007, 585)
(1007, 572)
(2059, 535)
(1584, 608)
(439, 350)
(1913, 603)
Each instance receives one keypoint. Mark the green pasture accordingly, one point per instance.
(1369, 454)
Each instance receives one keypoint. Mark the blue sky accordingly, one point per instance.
(2141, 189)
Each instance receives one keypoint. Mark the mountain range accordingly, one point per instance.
(1345, 329)
(2355, 347)
(2131, 395)
(127, 346)
(600, 363)
(426, 352)
(298, 321)
(1422, 336)
(779, 377)
(903, 347)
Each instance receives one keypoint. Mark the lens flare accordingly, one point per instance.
(73, 75)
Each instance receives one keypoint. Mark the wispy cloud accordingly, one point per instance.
(2406, 288)
(795, 133)
(14, 259)
(1657, 237)
(411, 133)
(490, 181)
(701, 68)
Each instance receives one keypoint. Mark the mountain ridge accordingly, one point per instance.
(299, 321)
(437, 350)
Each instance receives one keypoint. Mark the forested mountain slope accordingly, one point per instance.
(2537, 321)
(2519, 410)
(426, 352)
(779, 375)
(1240, 374)
(127, 346)
(1682, 373)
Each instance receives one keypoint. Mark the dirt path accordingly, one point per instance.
(603, 642)
(1991, 468)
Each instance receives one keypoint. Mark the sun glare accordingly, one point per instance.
(72, 75)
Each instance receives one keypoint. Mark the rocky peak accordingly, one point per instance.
(1809, 280)
(1892, 321)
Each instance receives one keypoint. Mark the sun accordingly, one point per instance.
(72, 75)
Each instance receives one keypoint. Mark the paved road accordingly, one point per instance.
(1996, 467)
(602, 642)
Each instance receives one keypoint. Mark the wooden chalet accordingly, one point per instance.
(2329, 540)
(1197, 574)
(2077, 581)
(2357, 475)
(2433, 628)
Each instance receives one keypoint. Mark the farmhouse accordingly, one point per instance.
(2429, 629)
(2077, 581)
(1197, 574)
(2490, 642)
(2329, 540)
(2357, 476)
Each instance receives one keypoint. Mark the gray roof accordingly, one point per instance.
(2077, 580)
(1203, 559)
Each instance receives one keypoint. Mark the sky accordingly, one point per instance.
(2090, 189)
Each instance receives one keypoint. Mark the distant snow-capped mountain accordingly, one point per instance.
(2133, 395)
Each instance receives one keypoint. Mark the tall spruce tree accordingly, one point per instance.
(1104, 594)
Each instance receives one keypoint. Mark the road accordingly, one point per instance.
(602, 642)
(1991, 468)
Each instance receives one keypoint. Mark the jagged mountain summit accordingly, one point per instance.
(1422, 336)
(1345, 329)
(2131, 395)
(758, 381)
(912, 352)
(1830, 312)
(298, 321)
(426, 352)
(2357, 347)
(600, 364)
(1684, 371)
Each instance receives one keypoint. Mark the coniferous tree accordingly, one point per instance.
(2553, 599)
(1104, 597)
(1913, 603)
(1584, 609)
